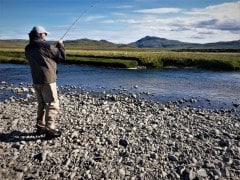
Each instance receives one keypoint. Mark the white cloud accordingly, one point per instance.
(220, 11)
(123, 7)
(92, 18)
(214, 23)
(224, 16)
(119, 14)
(159, 10)
(124, 21)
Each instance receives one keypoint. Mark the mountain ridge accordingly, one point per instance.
(145, 42)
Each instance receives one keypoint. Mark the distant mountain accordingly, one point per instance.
(90, 44)
(146, 42)
(156, 42)
(222, 45)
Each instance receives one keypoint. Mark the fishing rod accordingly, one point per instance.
(83, 13)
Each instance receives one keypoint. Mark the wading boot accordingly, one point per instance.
(40, 130)
(52, 133)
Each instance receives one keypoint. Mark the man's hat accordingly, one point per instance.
(39, 29)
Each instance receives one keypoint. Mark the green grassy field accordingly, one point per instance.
(135, 58)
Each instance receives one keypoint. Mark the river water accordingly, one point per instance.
(212, 89)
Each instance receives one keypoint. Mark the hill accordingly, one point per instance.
(92, 44)
(156, 42)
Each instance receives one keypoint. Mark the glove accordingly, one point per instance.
(60, 41)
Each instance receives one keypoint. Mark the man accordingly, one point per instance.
(43, 59)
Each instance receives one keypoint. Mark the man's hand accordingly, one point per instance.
(60, 41)
(60, 44)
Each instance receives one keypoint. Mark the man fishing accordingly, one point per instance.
(43, 59)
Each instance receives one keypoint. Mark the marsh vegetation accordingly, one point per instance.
(135, 58)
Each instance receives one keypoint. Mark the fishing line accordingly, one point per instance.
(83, 13)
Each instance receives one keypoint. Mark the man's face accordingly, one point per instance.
(43, 36)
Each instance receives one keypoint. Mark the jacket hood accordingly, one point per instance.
(33, 36)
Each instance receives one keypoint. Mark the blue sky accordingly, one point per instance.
(123, 21)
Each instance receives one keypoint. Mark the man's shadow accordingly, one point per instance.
(17, 136)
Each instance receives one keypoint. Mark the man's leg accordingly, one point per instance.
(52, 106)
(41, 106)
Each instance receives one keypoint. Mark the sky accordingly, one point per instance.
(123, 21)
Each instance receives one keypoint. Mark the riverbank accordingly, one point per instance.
(118, 136)
(140, 58)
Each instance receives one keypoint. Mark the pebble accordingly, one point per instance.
(122, 172)
(118, 136)
(21, 168)
(19, 176)
(123, 142)
(172, 158)
(202, 173)
(44, 156)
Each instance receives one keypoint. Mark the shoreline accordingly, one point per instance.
(119, 136)
(23, 90)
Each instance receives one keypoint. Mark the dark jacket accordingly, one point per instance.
(43, 59)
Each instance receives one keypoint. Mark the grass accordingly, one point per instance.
(102, 61)
(162, 59)
(133, 58)
(12, 56)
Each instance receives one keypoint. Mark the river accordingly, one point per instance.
(211, 89)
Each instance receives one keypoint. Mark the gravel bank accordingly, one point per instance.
(118, 136)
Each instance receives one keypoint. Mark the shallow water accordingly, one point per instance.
(211, 88)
